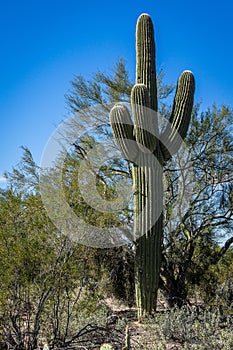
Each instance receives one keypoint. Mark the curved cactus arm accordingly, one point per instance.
(145, 58)
(144, 118)
(123, 130)
(177, 127)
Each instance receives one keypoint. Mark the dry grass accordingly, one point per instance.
(193, 327)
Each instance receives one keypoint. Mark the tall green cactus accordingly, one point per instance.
(148, 150)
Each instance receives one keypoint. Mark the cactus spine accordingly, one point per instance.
(141, 143)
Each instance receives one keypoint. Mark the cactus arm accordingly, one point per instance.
(122, 128)
(177, 127)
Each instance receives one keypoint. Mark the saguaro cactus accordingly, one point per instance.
(148, 150)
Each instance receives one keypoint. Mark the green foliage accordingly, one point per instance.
(192, 247)
(216, 281)
(102, 88)
(105, 185)
(44, 277)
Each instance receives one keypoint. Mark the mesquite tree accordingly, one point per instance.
(148, 149)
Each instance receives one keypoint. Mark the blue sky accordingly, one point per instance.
(45, 43)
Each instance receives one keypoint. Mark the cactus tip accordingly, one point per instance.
(187, 74)
(144, 16)
(188, 71)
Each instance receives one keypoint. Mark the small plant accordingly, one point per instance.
(127, 339)
(106, 346)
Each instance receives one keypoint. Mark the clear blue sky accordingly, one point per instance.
(45, 43)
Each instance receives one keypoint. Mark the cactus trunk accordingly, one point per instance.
(148, 198)
(142, 144)
(147, 176)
